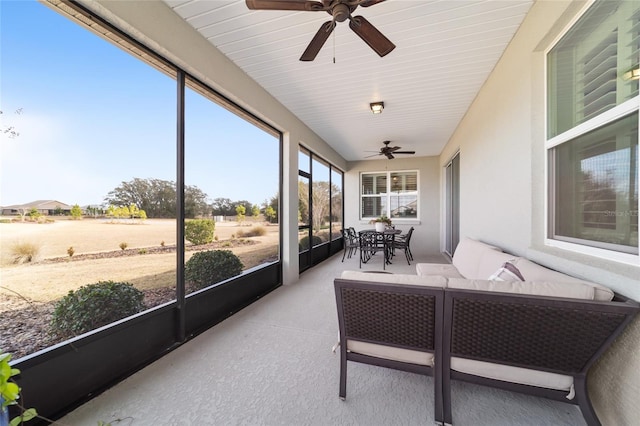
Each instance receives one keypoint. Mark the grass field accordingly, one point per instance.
(45, 281)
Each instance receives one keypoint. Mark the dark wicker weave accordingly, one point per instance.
(558, 335)
(400, 316)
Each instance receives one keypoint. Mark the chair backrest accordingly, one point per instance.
(401, 316)
(370, 240)
(409, 233)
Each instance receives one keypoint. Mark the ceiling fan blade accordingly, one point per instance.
(404, 152)
(318, 41)
(373, 155)
(307, 5)
(390, 156)
(370, 34)
(367, 3)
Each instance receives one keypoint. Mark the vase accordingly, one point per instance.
(380, 226)
(4, 414)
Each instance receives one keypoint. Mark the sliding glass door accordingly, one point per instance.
(452, 203)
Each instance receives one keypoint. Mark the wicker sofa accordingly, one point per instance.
(538, 333)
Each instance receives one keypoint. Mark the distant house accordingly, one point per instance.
(45, 207)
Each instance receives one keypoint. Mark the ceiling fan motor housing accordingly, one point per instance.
(341, 12)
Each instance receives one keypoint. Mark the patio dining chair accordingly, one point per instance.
(402, 242)
(350, 242)
(372, 242)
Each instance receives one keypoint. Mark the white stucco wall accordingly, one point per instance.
(502, 192)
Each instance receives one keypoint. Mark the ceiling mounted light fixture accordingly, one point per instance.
(376, 107)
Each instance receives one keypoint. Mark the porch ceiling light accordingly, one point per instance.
(376, 107)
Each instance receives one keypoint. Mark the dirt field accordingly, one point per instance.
(43, 281)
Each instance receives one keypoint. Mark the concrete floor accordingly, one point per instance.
(272, 364)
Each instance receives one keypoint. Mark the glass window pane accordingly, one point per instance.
(404, 182)
(336, 204)
(404, 206)
(588, 69)
(596, 186)
(303, 201)
(304, 160)
(218, 173)
(96, 130)
(374, 183)
(373, 207)
(321, 201)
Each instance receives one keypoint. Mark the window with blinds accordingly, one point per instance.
(596, 187)
(393, 194)
(587, 67)
(593, 172)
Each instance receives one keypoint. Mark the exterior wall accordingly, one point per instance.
(425, 239)
(149, 21)
(502, 191)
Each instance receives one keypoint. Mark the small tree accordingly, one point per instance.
(255, 211)
(34, 213)
(270, 214)
(199, 231)
(76, 212)
(240, 213)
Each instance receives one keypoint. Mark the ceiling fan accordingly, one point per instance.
(390, 150)
(340, 10)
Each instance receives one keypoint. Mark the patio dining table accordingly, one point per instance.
(372, 241)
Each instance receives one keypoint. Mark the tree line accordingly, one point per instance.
(157, 198)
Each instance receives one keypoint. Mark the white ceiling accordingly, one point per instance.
(444, 52)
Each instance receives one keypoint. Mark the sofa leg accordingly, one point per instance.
(343, 373)
(580, 384)
(446, 398)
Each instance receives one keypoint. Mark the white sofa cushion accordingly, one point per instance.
(390, 352)
(468, 257)
(534, 272)
(443, 269)
(426, 281)
(537, 288)
(508, 373)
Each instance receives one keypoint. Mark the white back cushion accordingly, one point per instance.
(468, 256)
(534, 272)
(536, 288)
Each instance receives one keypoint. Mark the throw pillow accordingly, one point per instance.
(507, 272)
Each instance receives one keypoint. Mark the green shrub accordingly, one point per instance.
(304, 242)
(24, 252)
(199, 231)
(70, 251)
(256, 231)
(123, 245)
(212, 266)
(93, 306)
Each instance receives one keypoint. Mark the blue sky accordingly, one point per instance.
(93, 116)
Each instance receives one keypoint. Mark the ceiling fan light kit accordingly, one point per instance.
(340, 10)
